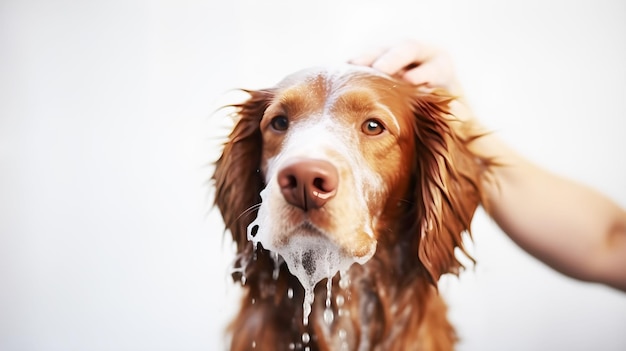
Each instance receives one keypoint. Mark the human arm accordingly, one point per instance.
(568, 225)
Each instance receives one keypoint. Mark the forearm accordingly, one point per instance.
(569, 226)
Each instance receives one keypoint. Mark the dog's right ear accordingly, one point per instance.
(237, 177)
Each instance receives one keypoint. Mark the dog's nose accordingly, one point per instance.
(308, 183)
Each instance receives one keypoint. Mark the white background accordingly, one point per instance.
(107, 139)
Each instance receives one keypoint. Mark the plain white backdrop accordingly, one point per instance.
(107, 241)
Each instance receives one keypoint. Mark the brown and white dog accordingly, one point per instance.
(334, 166)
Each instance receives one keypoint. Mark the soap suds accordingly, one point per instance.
(310, 257)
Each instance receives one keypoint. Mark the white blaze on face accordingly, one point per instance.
(319, 137)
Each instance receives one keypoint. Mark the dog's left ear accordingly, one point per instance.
(448, 186)
(237, 176)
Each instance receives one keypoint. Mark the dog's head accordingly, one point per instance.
(336, 164)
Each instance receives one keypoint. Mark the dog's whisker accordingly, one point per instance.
(248, 210)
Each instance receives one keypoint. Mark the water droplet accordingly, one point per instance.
(254, 344)
(306, 337)
(243, 279)
(329, 316)
(307, 349)
(342, 338)
(339, 300)
(290, 293)
(344, 281)
(253, 301)
(292, 346)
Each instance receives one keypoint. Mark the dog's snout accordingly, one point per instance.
(308, 183)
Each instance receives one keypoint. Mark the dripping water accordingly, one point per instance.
(328, 312)
(277, 263)
(339, 301)
(342, 339)
(306, 305)
(344, 284)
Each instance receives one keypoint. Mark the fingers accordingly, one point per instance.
(436, 71)
(402, 56)
(367, 58)
(415, 62)
(409, 59)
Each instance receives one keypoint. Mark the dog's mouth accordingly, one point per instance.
(321, 240)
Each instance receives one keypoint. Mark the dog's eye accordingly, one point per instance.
(280, 123)
(372, 127)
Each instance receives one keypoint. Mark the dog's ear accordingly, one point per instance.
(237, 177)
(447, 185)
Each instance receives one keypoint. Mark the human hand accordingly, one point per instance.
(416, 62)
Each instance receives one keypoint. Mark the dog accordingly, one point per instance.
(347, 192)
